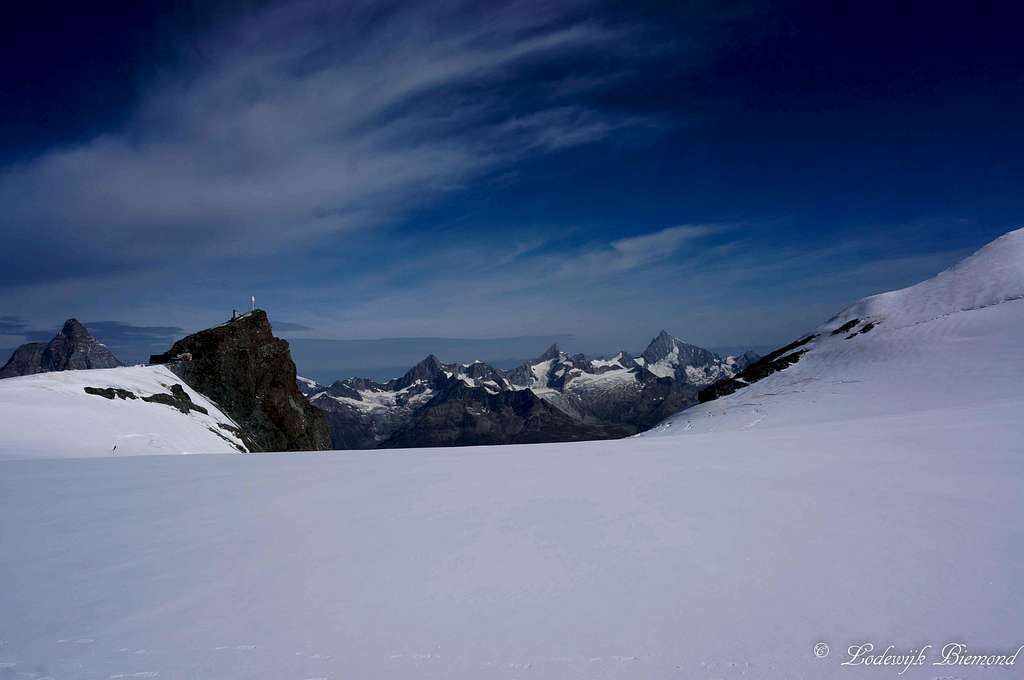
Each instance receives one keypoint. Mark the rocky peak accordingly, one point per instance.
(428, 369)
(73, 328)
(550, 353)
(250, 374)
(73, 348)
(659, 348)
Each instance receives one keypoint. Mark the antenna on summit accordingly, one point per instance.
(253, 303)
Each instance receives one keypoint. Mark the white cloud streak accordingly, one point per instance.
(304, 121)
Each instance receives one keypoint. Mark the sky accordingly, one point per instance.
(586, 172)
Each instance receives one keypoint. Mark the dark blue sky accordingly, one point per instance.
(732, 172)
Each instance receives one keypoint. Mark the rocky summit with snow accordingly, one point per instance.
(73, 348)
(555, 397)
(250, 374)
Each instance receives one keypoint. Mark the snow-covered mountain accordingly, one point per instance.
(437, 403)
(72, 348)
(670, 357)
(555, 397)
(951, 342)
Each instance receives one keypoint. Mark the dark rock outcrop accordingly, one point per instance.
(110, 392)
(73, 348)
(250, 375)
(178, 397)
(770, 363)
(846, 326)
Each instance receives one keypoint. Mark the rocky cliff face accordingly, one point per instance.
(26, 360)
(73, 348)
(250, 374)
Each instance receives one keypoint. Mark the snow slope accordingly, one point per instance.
(50, 415)
(722, 555)
(878, 500)
(955, 340)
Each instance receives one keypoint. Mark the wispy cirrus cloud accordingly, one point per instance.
(302, 121)
(630, 253)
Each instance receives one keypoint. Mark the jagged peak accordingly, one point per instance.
(427, 369)
(552, 352)
(659, 347)
(73, 327)
(431, 360)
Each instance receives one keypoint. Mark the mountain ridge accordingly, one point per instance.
(579, 398)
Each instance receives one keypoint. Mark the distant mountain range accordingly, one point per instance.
(234, 387)
(555, 397)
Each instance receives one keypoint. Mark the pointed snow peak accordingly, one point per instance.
(428, 369)
(660, 347)
(550, 353)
